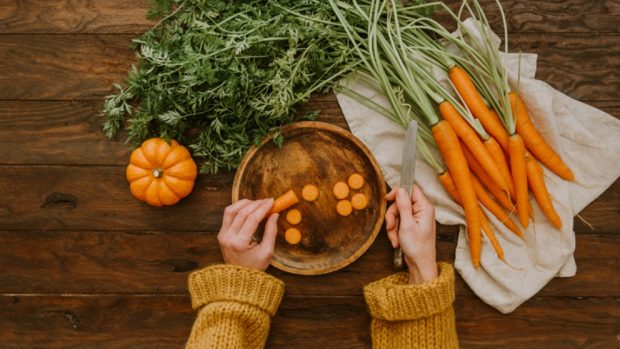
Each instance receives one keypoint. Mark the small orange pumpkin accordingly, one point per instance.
(161, 173)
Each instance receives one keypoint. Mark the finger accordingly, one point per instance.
(391, 196)
(230, 212)
(271, 231)
(421, 204)
(391, 224)
(405, 210)
(241, 217)
(251, 223)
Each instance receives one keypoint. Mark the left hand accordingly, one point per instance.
(239, 224)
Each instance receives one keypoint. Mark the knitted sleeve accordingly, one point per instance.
(234, 306)
(413, 316)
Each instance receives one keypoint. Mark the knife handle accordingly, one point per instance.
(398, 259)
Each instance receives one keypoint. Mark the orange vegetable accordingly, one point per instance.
(502, 164)
(448, 183)
(470, 138)
(450, 149)
(359, 201)
(293, 216)
(499, 194)
(535, 143)
(310, 192)
(495, 209)
(284, 201)
(292, 236)
(161, 173)
(486, 228)
(341, 190)
(466, 88)
(356, 181)
(519, 176)
(537, 185)
(344, 208)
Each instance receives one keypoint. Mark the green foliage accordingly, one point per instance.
(219, 75)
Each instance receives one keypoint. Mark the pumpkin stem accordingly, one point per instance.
(158, 172)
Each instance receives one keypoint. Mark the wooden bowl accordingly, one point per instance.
(320, 154)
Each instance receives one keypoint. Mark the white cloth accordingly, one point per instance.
(587, 139)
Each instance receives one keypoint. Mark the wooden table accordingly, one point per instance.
(84, 265)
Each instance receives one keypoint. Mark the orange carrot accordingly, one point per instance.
(450, 149)
(344, 208)
(310, 192)
(519, 176)
(486, 228)
(500, 160)
(359, 201)
(285, 201)
(535, 143)
(495, 208)
(466, 88)
(537, 185)
(293, 216)
(292, 236)
(445, 178)
(341, 190)
(469, 137)
(355, 181)
(499, 194)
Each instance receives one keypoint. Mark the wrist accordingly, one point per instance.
(421, 274)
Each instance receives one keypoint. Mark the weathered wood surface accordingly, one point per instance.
(84, 265)
(164, 321)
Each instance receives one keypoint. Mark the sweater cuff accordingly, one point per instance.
(393, 299)
(221, 283)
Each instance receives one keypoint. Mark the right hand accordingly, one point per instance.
(239, 225)
(410, 224)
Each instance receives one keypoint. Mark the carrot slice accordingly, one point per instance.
(341, 190)
(356, 181)
(310, 192)
(293, 216)
(292, 236)
(359, 201)
(344, 208)
(285, 201)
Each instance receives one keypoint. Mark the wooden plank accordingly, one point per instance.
(79, 67)
(120, 321)
(98, 198)
(117, 16)
(65, 16)
(116, 262)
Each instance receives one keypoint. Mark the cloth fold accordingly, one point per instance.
(586, 138)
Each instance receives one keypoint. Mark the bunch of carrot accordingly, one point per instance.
(491, 150)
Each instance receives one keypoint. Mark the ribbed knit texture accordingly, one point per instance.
(235, 307)
(413, 316)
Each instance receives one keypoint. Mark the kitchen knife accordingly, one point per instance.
(407, 175)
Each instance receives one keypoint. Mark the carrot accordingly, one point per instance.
(516, 148)
(293, 216)
(341, 190)
(500, 160)
(310, 192)
(292, 236)
(445, 178)
(535, 143)
(356, 181)
(450, 149)
(466, 88)
(469, 137)
(284, 201)
(499, 194)
(359, 201)
(495, 208)
(537, 185)
(344, 208)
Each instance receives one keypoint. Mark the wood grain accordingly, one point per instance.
(84, 67)
(125, 17)
(319, 154)
(151, 262)
(164, 321)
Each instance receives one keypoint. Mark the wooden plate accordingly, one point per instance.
(320, 154)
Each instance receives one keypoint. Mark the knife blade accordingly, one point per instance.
(407, 174)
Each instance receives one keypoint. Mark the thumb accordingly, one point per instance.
(271, 231)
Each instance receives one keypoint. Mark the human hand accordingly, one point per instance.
(239, 224)
(410, 224)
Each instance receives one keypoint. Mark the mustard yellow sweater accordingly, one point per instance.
(235, 306)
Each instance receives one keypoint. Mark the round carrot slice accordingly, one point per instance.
(310, 192)
(356, 181)
(292, 236)
(341, 190)
(359, 201)
(293, 216)
(344, 208)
